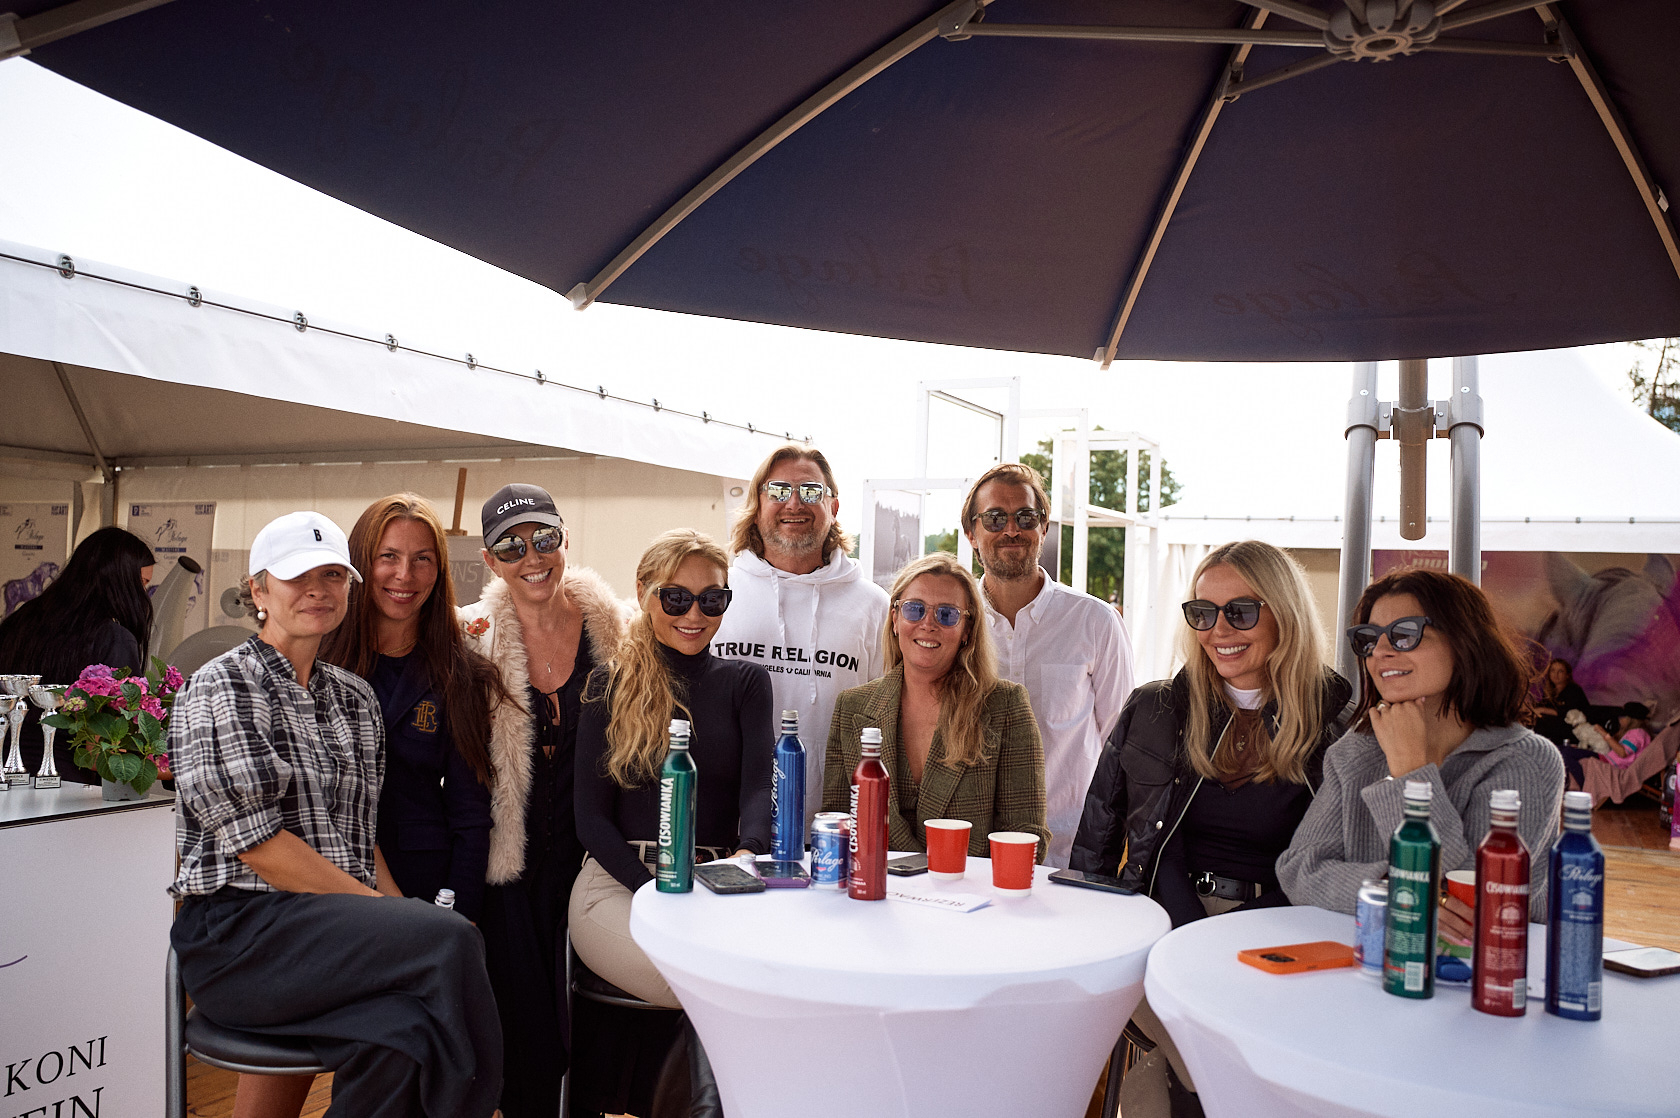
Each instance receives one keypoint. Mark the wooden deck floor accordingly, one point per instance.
(1641, 904)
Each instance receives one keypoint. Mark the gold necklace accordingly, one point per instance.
(400, 649)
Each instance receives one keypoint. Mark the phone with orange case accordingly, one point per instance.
(1296, 957)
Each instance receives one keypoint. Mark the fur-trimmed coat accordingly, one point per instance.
(492, 628)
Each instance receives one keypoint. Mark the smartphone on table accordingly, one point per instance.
(727, 877)
(1643, 962)
(1293, 958)
(907, 865)
(782, 875)
(1084, 880)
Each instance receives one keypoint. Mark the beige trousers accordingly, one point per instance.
(599, 919)
(1143, 1093)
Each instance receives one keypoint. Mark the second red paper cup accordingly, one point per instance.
(947, 848)
(1013, 855)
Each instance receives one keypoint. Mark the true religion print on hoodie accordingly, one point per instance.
(816, 634)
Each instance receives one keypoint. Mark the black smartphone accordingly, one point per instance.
(907, 865)
(782, 875)
(726, 877)
(1092, 881)
(1644, 962)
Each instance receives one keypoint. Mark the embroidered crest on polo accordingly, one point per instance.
(298, 542)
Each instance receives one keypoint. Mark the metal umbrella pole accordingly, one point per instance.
(1464, 420)
(1364, 421)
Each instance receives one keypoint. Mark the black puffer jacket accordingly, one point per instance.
(1144, 779)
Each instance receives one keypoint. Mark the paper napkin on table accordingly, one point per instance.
(950, 902)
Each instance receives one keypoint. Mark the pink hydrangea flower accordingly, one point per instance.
(172, 679)
(73, 704)
(102, 685)
(152, 706)
(96, 671)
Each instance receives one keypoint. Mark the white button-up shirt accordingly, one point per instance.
(1070, 651)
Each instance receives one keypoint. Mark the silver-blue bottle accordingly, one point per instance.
(787, 793)
(1575, 924)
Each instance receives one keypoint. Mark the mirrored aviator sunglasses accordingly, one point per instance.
(676, 600)
(1242, 613)
(1403, 635)
(511, 548)
(810, 492)
(948, 616)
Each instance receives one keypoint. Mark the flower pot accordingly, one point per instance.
(114, 791)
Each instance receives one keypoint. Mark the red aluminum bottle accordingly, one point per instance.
(869, 822)
(1499, 982)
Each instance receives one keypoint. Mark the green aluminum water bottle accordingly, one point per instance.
(677, 786)
(1414, 887)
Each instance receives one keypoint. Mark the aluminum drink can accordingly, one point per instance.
(787, 793)
(870, 782)
(678, 778)
(1575, 924)
(831, 841)
(1369, 921)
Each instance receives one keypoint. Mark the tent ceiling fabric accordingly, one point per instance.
(236, 378)
(991, 192)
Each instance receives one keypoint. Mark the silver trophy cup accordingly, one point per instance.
(17, 687)
(47, 697)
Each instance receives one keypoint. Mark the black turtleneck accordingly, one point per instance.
(730, 706)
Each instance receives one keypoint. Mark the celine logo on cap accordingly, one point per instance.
(516, 501)
(317, 532)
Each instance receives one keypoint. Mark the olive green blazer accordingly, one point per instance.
(1003, 790)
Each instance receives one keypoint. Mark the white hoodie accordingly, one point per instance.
(816, 634)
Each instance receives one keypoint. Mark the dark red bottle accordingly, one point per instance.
(1499, 982)
(869, 822)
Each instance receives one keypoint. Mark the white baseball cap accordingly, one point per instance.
(299, 542)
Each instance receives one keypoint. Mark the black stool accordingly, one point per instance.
(581, 982)
(220, 1046)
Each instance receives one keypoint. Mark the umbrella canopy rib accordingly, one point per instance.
(1187, 164)
(1482, 13)
(952, 15)
(57, 23)
(1656, 203)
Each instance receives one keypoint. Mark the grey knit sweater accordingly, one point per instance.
(1344, 838)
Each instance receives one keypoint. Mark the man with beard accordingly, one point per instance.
(802, 607)
(1067, 648)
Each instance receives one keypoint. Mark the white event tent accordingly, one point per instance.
(123, 388)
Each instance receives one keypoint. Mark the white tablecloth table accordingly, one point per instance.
(809, 1002)
(1332, 1043)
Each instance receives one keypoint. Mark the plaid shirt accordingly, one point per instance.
(254, 754)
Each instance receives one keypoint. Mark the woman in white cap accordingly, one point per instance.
(282, 927)
(544, 623)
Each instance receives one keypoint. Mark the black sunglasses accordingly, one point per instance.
(676, 600)
(914, 609)
(1403, 635)
(1242, 613)
(996, 520)
(810, 492)
(511, 548)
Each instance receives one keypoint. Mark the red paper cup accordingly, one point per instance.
(1462, 884)
(1013, 854)
(947, 848)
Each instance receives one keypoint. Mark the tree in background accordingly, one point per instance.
(1658, 393)
(1105, 564)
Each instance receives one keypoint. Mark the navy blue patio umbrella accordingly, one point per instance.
(1179, 179)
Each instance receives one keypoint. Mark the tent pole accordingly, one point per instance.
(108, 496)
(1362, 424)
(1464, 416)
(1414, 426)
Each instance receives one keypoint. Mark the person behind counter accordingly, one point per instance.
(1442, 687)
(958, 742)
(544, 623)
(95, 612)
(283, 928)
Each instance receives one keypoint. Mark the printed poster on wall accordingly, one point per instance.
(34, 544)
(173, 529)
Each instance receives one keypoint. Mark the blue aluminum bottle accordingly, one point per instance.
(1575, 924)
(787, 793)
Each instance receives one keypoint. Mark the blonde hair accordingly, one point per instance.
(1294, 670)
(642, 695)
(973, 676)
(745, 536)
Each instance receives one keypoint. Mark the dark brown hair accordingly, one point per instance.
(467, 683)
(1491, 675)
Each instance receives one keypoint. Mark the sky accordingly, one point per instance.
(96, 179)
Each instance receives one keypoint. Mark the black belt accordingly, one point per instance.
(1226, 888)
